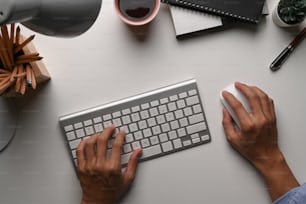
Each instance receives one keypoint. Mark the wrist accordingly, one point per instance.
(276, 173)
(268, 164)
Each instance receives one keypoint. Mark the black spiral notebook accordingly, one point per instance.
(245, 10)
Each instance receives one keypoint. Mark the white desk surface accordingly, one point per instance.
(108, 63)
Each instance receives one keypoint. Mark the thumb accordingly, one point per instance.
(130, 171)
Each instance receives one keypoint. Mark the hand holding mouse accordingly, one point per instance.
(256, 138)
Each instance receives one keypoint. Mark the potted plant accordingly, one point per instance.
(289, 13)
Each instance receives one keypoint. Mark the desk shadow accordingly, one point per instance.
(10, 111)
(140, 33)
(22, 101)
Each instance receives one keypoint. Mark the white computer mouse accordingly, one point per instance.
(232, 89)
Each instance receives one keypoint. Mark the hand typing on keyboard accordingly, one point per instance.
(100, 173)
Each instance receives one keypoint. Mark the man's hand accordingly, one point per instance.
(256, 139)
(101, 177)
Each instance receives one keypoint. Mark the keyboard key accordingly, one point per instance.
(165, 127)
(162, 109)
(74, 144)
(183, 95)
(151, 151)
(181, 132)
(196, 140)
(188, 111)
(138, 135)
(192, 92)
(78, 125)
(145, 143)
(125, 129)
(127, 148)
(192, 100)
(107, 117)
(136, 145)
(171, 106)
(177, 143)
(164, 100)
(70, 135)
(167, 146)
(151, 122)
(205, 138)
(154, 140)
(89, 130)
(179, 114)
(173, 98)
(135, 117)
(172, 135)
(154, 103)
(160, 119)
(142, 124)
(126, 119)
(196, 118)
(97, 120)
(169, 116)
(68, 128)
(197, 108)
(183, 122)
(107, 124)
(153, 112)
(144, 114)
(117, 122)
(145, 106)
(135, 109)
(174, 125)
(133, 127)
(181, 104)
(129, 138)
(80, 133)
(116, 114)
(156, 130)
(125, 158)
(147, 132)
(196, 128)
(187, 143)
(163, 137)
(125, 112)
(88, 122)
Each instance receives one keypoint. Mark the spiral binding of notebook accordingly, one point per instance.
(244, 10)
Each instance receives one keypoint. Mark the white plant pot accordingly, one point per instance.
(278, 21)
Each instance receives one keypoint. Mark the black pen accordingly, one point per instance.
(281, 58)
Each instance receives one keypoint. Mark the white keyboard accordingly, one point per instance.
(161, 122)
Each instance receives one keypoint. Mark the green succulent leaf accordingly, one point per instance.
(292, 11)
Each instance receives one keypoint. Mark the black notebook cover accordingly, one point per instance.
(246, 10)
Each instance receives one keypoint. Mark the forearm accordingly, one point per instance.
(277, 175)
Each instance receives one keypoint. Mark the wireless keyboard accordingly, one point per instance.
(161, 122)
